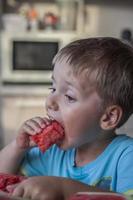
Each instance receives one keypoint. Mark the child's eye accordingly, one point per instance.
(70, 99)
(52, 89)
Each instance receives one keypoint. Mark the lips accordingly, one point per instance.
(54, 119)
(50, 117)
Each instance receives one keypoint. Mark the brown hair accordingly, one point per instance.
(113, 61)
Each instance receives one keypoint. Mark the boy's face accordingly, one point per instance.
(76, 105)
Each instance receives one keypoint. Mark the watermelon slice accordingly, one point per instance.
(97, 196)
(9, 179)
(49, 136)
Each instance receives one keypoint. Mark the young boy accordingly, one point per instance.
(91, 96)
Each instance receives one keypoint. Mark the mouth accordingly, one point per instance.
(59, 142)
(50, 118)
(53, 119)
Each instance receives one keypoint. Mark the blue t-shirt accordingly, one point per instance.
(111, 170)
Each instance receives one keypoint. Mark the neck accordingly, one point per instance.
(90, 151)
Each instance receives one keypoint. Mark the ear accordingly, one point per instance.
(111, 117)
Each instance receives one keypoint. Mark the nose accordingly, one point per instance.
(52, 103)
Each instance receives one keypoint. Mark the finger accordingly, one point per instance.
(27, 195)
(29, 129)
(10, 188)
(33, 124)
(18, 191)
(43, 122)
(47, 120)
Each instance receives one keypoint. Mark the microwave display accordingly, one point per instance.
(33, 55)
(26, 58)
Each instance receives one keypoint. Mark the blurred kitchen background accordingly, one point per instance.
(31, 33)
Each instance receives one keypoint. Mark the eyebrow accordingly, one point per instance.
(67, 82)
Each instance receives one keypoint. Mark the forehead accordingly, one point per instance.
(62, 69)
(83, 78)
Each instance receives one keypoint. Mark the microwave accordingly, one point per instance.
(27, 57)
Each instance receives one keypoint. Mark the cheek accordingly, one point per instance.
(75, 122)
(80, 121)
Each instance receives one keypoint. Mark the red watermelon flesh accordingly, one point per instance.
(49, 136)
(9, 179)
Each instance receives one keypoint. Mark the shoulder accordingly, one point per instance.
(123, 142)
(125, 147)
(122, 145)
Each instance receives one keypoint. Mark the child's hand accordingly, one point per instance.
(49, 188)
(38, 188)
(30, 127)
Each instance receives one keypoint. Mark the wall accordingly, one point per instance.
(109, 18)
(114, 19)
